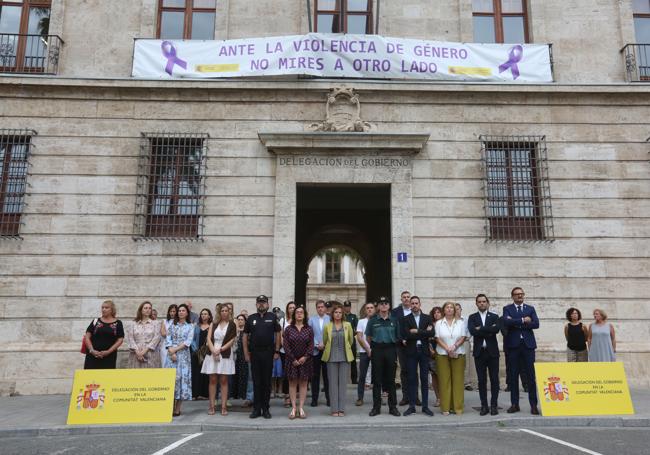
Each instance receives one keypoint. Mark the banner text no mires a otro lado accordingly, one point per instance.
(349, 56)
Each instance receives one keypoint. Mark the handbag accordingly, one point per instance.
(84, 349)
(201, 353)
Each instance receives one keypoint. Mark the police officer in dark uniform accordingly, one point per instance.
(382, 334)
(261, 346)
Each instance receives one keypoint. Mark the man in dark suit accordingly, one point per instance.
(398, 313)
(484, 327)
(417, 331)
(521, 320)
(522, 369)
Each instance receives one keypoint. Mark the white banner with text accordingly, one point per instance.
(347, 56)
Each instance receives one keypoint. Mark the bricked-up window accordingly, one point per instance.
(517, 193)
(186, 19)
(171, 186)
(343, 16)
(14, 154)
(500, 21)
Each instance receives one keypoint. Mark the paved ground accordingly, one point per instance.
(36, 425)
(46, 415)
(329, 441)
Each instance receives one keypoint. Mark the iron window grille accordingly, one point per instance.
(15, 147)
(516, 188)
(171, 186)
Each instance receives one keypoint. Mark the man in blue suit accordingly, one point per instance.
(521, 320)
(484, 326)
(317, 324)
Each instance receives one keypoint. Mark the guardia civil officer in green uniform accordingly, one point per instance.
(354, 321)
(382, 334)
(261, 346)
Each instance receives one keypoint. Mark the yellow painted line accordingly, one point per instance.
(218, 68)
(470, 70)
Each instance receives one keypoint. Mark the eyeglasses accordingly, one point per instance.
(518, 294)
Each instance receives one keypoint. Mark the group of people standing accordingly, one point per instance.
(229, 351)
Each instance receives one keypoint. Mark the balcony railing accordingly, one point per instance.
(637, 62)
(34, 54)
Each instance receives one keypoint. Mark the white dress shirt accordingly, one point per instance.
(449, 334)
(483, 315)
(417, 325)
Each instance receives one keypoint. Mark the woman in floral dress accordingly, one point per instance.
(143, 338)
(298, 343)
(179, 340)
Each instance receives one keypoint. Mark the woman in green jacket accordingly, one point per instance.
(338, 338)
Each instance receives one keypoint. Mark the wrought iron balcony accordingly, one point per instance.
(33, 54)
(637, 62)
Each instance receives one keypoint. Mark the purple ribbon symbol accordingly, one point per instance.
(169, 52)
(514, 56)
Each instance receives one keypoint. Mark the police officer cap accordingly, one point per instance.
(347, 303)
(276, 309)
(328, 304)
(262, 298)
(383, 299)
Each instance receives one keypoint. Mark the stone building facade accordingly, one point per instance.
(79, 243)
(337, 274)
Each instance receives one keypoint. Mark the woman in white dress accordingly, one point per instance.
(164, 330)
(221, 337)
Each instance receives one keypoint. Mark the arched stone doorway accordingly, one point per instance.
(355, 216)
(345, 159)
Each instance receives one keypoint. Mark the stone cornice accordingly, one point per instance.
(359, 85)
(301, 142)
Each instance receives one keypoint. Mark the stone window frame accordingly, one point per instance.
(517, 197)
(343, 13)
(188, 10)
(10, 220)
(171, 214)
(497, 14)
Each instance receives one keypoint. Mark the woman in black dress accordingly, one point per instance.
(104, 336)
(240, 385)
(200, 381)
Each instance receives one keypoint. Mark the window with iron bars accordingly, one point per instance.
(517, 192)
(15, 146)
(171, 186)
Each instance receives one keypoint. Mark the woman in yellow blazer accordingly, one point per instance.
(338, 338)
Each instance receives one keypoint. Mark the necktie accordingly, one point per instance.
(518, 309)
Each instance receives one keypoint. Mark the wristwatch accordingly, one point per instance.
(277, 352)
